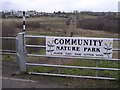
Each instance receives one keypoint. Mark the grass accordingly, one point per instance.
(91, 33)
(67, 71)
(46, 19)
(50, 26)
(9, 57)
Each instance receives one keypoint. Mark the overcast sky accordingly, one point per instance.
(60, 5)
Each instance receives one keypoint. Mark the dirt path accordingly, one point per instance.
(25, 83)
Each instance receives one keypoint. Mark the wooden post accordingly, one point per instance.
(71, 27)
(68, 27)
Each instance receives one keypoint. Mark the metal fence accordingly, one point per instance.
(22, 54)
(8, 52)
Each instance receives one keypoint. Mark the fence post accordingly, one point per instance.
(21, 53)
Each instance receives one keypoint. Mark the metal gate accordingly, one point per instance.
(22, 54)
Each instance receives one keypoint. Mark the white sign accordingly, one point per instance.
(79, 46)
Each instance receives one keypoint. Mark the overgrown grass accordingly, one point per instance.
(9, 57)
(104, 24)
(8, 30)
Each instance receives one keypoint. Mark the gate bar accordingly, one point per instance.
(35, 36)
(33, 64)
(72, 57)
(35, 46)
(45, 47)
(7, 37)
(7, 50)
(4, 53)
(116, 49)
(116, 39)
(49, 74)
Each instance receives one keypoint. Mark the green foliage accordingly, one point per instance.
(23, 73)
(9, 57)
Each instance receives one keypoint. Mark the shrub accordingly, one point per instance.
(8, 30)
(104, 24)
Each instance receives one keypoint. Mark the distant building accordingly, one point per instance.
(20, 14)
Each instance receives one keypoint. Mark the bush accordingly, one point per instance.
(104, 24)
(8, 30)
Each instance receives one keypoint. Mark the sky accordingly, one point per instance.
(61, 5)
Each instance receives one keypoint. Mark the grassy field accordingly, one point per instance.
(50, 26)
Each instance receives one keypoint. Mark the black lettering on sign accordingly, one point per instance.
(56, 41)
(89, 54)
(58, 53)
(61, 41)
(67, 48)
(67, 41)
(99, 55)
(85, 42)
(68, 53)
(89, 49)
(79, 54)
